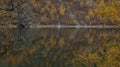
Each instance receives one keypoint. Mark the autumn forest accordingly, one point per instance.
(22, 45)
(64, 12)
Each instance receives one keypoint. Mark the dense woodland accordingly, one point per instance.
(64, 12)
(59, 48)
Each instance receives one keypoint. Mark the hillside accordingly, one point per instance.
(63, 12)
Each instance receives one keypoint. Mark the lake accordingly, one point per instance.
(63, 47)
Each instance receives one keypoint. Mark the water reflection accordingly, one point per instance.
(59, 47)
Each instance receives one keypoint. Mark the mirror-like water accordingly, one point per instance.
(44, 47)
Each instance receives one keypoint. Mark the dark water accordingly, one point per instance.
(34, 47)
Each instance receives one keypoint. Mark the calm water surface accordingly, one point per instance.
(35, 47)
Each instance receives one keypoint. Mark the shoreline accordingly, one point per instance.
(65, 26)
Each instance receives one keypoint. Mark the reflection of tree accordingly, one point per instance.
(52, 47)
(5, 40)
(54, 53)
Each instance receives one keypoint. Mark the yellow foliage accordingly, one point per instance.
(34, 3)
(94, 57)
(53, 10)
(3, 13)
(61, 42)
(62, 10)
(81, 4)
(107, 11)
(42, 10)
